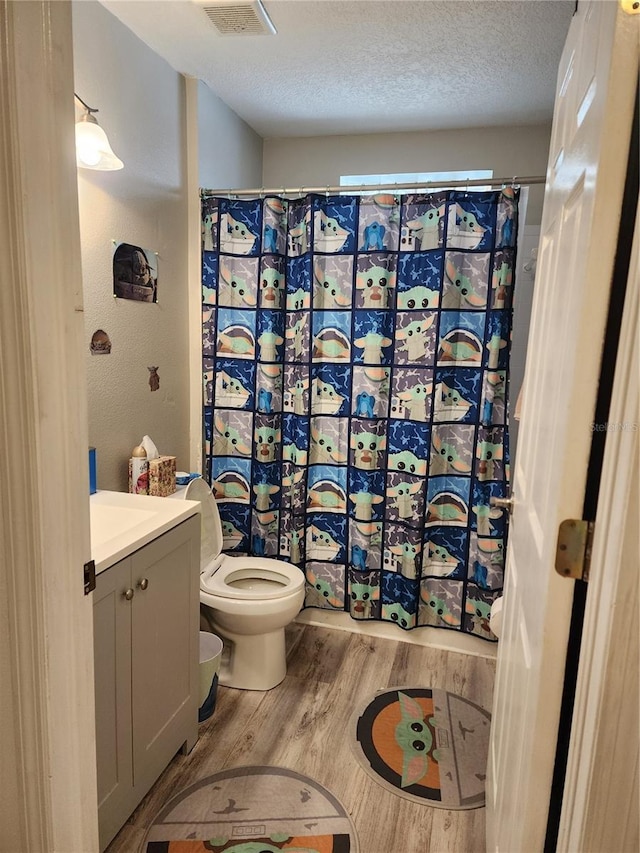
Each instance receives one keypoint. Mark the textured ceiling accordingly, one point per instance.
(363, 66)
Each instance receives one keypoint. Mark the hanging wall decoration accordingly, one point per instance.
(100, 343)
(135, 273)
(355, 376)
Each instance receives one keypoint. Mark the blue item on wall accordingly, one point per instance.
(92, 471)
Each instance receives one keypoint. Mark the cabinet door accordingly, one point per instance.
(165, 649)
(112, 654)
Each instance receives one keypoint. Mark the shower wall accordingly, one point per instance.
(320, 160)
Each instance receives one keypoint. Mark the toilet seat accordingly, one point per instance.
(240, 578)
(251, 578)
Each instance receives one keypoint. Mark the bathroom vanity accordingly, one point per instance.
(146, 639)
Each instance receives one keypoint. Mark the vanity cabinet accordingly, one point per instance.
(146, 645)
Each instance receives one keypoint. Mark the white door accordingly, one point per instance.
(587, 163)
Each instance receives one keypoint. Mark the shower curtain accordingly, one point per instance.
(355, 394)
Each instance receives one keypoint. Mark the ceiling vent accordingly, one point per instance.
(239, 18)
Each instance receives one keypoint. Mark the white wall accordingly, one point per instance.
(142, 103)
(320, 160)
(230, 152)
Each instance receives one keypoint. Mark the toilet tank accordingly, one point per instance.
(210, 526)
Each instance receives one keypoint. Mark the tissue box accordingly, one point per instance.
(92, 470)
(162, 476)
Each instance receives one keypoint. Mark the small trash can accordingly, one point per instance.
(210, 656)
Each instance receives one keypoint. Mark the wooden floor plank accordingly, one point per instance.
(305, 724)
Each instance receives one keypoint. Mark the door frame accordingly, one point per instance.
(47, 775)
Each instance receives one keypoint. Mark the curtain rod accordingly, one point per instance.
(476, 182)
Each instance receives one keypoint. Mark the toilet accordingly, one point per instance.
(247, 601)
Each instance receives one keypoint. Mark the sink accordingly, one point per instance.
(108, 522)
(122, 523)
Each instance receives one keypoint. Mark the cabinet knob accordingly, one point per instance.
(143, 583)
(128, 594)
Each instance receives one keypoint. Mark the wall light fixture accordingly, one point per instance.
(92, 146)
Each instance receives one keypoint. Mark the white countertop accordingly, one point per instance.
(122, 523)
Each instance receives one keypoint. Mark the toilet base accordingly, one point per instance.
(251, 661)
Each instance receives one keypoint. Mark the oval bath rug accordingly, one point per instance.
(253, 810)
(425, 744)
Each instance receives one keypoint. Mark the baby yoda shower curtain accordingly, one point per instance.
(355, 364)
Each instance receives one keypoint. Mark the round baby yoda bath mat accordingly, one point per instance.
(425, 744)
(253, 810)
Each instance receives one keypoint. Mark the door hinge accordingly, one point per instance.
(573, 551)
(89, 577)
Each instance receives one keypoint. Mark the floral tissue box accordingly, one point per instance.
(162, 476)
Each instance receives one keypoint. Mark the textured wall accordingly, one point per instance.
(143, 108)
(320, 160)
(141, 102)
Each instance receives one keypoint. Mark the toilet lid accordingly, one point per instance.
(210, 525)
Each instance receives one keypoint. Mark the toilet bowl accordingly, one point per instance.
(247, 601)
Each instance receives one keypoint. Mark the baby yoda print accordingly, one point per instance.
(325, 400)
(414, 339)
(417, 297)
(449, 404)
(460, 293)
(366, 448)
(364, 501)
(479, 611)
(484, 515)
(489, 454)
(413, 734)
(321, 545)
(296, 334)
(321, 593)
(228, 441)
(363, 597)
(230, 392)
(396, 613)
(407, 462)
(501, 280)
(209, 221)
(439, 562)
(445, 458)
(271, 288)
(266, 440)
(408, 555)
(233, 290)
(295, 549)
(329, 235)
(324, 449)
(373, 285)
(235, 237)
(328, 294)
(269, 341)
(298, 396)
(402, 500)
(263, 492)
(416, 401)
(427, 228)
(372, 343)
(297, 238)
(495, 344)
(298, 300)
(265, 401)
(295, 454)
(437, 610)
(463, 229)
(232, 537)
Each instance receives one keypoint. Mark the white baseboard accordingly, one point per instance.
(434, 638)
